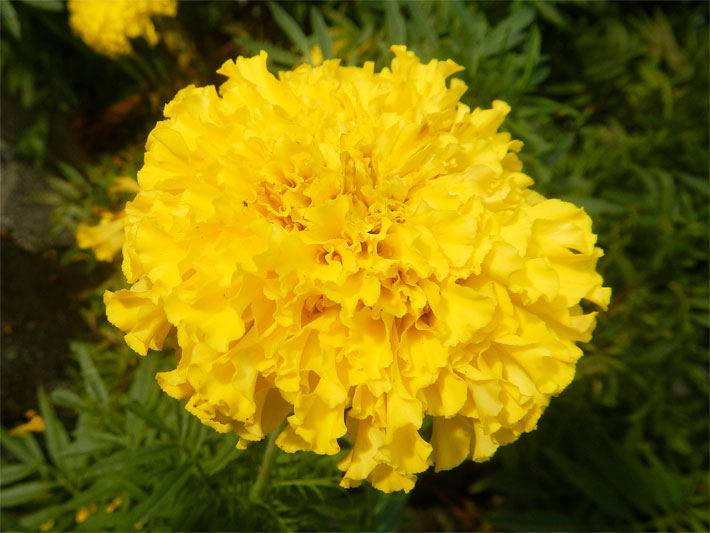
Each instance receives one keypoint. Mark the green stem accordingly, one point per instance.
(267, 463)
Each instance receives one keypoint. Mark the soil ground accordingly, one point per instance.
(40, 314)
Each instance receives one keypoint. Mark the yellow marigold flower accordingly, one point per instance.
(108, 25)
(124, 184)
(354, 250)
(316, 56)
(82, 514)
(113, 505)
(36, 424)
(106, 238)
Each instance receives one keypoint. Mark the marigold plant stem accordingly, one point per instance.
(267, 463)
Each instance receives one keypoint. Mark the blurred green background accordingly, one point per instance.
(611, 101)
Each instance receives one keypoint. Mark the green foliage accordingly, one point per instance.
(170, 472)
(502, 59)
(80, 197)
(51, 73)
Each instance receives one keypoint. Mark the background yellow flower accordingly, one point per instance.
(105, 238)
(108, 25)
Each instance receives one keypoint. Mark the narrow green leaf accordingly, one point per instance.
(64, 188)
(396, 25)
(67, 398)
(475, 28)
(144, 382)
(276, 54)
(595, 206)
(322, 36)
(149, 416)
(131, 70)
(549, 12)
(108, 438)
(508, 33)
(55, 435)
(11, 473)
(32, 521)
(225, 453)
(102, 489)
(668, 486)
(143, 66)
(594, 488)
(141, 390)
(127, 459)
(194, 434)
(291, 28)
(107, 522)
(532, 58)
(545, 106)
(164, 493)
(698, 184)
(388, 511)
(621, 470)
(33, 142)
(47, 5)
(92, 381)
(423, 23)
(9, 19)
(24, 448)
(309, 482)
(35, 449)
(336, 18)
(25, 492)
(48, 198)
(84, 447)
(366, 33)
(71, 174)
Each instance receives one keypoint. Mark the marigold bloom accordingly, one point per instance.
(113, 505)
(108, 25)
(354, 250)
(82, 514)
(105, 238)
(36, 424)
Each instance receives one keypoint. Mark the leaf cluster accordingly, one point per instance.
(57, 82)
(170, 472)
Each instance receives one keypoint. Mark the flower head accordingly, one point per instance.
(105, 238)
(353, 251)
(107, 25)
(35, 424)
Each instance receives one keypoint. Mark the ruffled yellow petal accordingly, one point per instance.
(36, 424)
(351, 251)
(451, 440)
(124, 184)
(387, 479)
(106, 238)
(135, 313)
